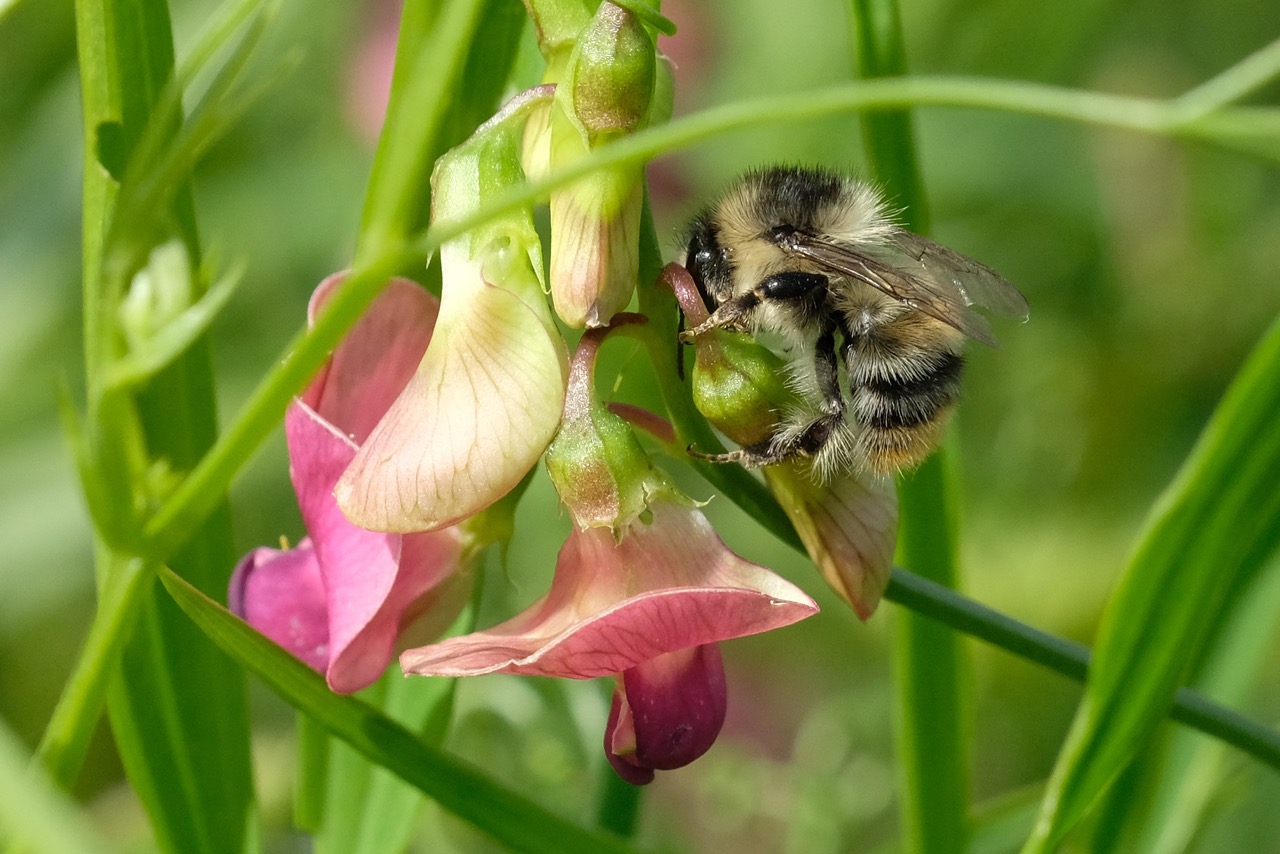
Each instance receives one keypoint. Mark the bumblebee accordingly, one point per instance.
(874, 317)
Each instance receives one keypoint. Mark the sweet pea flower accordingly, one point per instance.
(486, 398)
(848, 525)
(339, 599)
(643, 590)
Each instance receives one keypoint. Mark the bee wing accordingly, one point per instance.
(977, 283)
(922, 274)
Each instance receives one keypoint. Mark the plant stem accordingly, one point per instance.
(933, 779)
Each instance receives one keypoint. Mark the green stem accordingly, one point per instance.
(66, 736)
(429, 64)
(1237, 82)
(933, 781)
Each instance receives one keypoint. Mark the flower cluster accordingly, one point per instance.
(429, 412)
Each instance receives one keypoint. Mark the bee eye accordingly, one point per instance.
(783, 235)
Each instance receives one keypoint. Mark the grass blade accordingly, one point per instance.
(1221, 512)
(457, 786)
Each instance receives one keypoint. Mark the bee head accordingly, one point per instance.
(706, 262)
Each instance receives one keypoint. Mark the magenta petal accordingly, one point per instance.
(620, 742)
(280, 594)
(370, 579)
(667, 712)
(376, 358)
(666, 586)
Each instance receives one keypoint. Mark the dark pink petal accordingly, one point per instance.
(370, 579)
(376, 359)
(665, 586)
(666, 713)
(280, 594)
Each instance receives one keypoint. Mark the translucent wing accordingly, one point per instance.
(925, 275)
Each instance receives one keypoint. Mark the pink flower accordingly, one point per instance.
(643, 589)
(339, 599)
(485, 401)
(662, 587)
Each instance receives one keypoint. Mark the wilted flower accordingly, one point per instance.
(487, 396)
(848, 525)
(339, 599)
(643, 589)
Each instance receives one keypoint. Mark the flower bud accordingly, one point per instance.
(613, 77)
(666, 712)
(610, 87)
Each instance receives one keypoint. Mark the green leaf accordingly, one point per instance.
(177, 706)
(454, 784)
(1190, 771)
(369, 809)
(1221, 514)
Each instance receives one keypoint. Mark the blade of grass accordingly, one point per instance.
(457, 786)
(1222, 510)
(367, 808)
(177, 706)
(1192, 769)
(933, 773)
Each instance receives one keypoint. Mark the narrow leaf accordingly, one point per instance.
(177, 705)
(1220, 513)
(457, 786)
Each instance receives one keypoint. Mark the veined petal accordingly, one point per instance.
(478, 412)
(595, 226)
(665, 586)
(849, 527)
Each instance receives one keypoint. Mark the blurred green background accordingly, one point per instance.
(1151, 267)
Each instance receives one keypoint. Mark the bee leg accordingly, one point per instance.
(812, 437)
(782, 286)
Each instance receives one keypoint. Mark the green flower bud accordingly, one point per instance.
(612, 74)
(739, 386)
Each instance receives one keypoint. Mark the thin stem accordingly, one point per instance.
(1240, 80)
(933, 779)
(66, 736)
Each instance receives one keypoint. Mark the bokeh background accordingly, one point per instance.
(1151, 266)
